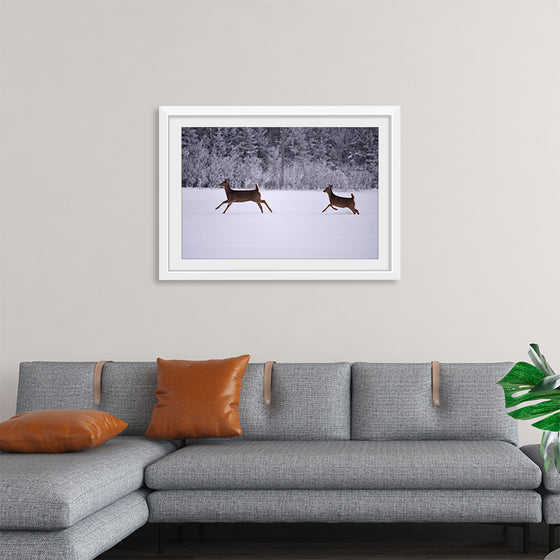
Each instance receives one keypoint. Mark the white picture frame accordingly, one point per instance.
(172, 266)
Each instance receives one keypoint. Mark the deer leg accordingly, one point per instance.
(260, 206)
(356, 211)
(220, 204)
(327, 206)
(229, 204)
(266, 204)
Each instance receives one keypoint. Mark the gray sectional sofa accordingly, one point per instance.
(340, 443)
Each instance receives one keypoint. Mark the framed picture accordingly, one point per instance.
(279, 193)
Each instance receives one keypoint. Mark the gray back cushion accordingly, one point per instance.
(394, 401)
(44, 385)
(309, 401)
(127, 389)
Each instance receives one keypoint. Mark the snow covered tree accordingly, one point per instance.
(274, 157)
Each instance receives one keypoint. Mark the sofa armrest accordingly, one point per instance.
(551, 479)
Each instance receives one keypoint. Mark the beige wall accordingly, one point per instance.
(479, 88)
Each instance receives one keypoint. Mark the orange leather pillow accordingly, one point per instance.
(197, 399)
(58, 431)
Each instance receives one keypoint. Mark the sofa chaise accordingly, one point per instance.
(339, 442)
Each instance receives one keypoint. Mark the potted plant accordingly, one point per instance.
(526, 383)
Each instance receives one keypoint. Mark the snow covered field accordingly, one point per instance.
(295, 230)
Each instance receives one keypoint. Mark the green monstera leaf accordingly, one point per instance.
(526, 383)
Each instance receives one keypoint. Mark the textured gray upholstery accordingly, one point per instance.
(85, 540)
(54, 491)
(551, 484)
(45, 385)
(269, 465)
(551, 479)
(394, 401)
(551, 508)
(128, 390)
(373, 506)
(309, 402)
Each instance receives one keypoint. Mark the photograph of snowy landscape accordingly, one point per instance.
(279, 193)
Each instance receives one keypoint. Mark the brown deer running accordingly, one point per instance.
(234, 195)
(340, 201)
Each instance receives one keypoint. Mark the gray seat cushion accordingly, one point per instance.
(551, 508)
(551, 479)
(85, 540)
(345, 465)
(54, 491)
(551, 484)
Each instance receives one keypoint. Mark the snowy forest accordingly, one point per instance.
(295, 158)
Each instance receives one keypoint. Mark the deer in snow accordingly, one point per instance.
(340, 201)
(235, 195)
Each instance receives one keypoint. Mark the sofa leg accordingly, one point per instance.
(551, 544)
(525, 538)
(161, 538)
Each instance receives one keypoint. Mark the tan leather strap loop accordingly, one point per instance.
(267, 392)
(97, 371)
(435, 384)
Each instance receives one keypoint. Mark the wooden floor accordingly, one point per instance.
(330, 542)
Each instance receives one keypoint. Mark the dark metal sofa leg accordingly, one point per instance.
(161, 538)
(525, 538)
(551, 544)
